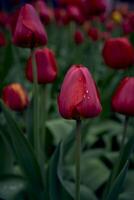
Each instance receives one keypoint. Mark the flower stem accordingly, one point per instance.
(36, 107)
(78, 156)
(124, 132)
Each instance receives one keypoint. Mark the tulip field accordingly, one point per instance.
(67, 101)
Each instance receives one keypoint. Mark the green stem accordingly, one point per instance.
(78, 156)
(36, 107)
(124, 132)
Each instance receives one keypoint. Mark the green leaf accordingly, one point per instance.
(57, 127)
(117, 185)
(56, 191)
(85, 192)
(6, 161)
(123, 158)
(22, 148)
(54, 184)
(10, 186)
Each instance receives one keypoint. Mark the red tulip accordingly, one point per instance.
(78, 37)
(126, 26)
(94, 34)
(118, 53)
(29, 31)
(75, 14)
(79, 96)
(123, 99)
(61, 16)
(15, 97)
(46, 66)
(96, 7)
(2, 40)
(110, 25)
(45, 13)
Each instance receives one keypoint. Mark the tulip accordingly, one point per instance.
(45, 13)
(29, 31)
(46, 66)
(78, 37)
(15, 97)
(79, 97)
(75, 14)
(117, 17)
(126, 26)
(94, 34)
(118, 53)
(97, 7)
(123, 98)
(2, 40)
(61, 16)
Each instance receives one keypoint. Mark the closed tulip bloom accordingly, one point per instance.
(45, 13)
(94, 34)
(15, 97)
(46, 66)
(78, 37)
(123, 99)
(96, 7)
(29, 30)
(75, 14)
(79, 96)
(118, 53)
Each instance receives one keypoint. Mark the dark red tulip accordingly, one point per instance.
(105, 35)
(79, 97)
(78, 37)
(118, 53)
(45, 13)
(15, 97)
(96, 7)
(94, 34)
(46, 66)
(61, 16)
(123, 99)
(2, 39)
(110, 25)
(75, 14)
(29, 31)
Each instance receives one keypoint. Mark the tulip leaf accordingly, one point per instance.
(85, 191)
(53, 179)
(117, 184)
(123, 158)
(56, 191)
(23, 151)
(11, 185)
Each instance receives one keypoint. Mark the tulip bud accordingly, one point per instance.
(79, 96)
(123, 99)
(94, 34)
(15, 97)
(2, 40)
(75, 14)
(61, 16)
(118, 53)
(126, 26)
(45, 13)
(29, 31)
(46, 66)
(78, 37)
